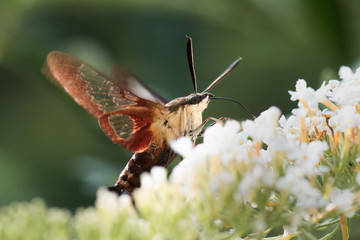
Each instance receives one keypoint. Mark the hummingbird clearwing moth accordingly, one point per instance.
(131, 114)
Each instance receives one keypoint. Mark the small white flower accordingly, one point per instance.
(322, 92)
(308, 155)
(332, 84)
(109, 204)
(347, 117)
(326, 90)
(304, 93)
(222, 179)
(343, 200)
(259, 176)
(263, 126)
(348, 92)
(296, 219)
(301, 91)
(347, 74)
(106, 201)
(220, 137)
(290, 127)
(183, 146)
(319, 121)
(300, 113)
(295, 183)
(154, 179)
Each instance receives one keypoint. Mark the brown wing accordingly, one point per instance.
(124, 117)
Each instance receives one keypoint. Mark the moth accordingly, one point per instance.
(131, 114)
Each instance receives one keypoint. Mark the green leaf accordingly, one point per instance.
(327, 223)
(331, 234)
(308, 235)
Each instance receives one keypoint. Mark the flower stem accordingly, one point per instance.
(344, 230)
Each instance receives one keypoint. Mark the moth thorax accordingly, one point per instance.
(193, 115)
(183, 117)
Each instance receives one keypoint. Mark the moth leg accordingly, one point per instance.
(222, 119)
(198, 132)
(215, 120)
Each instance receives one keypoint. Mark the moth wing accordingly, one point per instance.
(128, 81)
(124, 117)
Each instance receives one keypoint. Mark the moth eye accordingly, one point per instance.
(195, 99)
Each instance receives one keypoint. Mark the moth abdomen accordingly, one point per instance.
(139, 163)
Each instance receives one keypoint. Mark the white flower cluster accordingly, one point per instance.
(299, 173)
(275, 171)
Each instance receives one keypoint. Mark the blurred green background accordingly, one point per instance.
(50, 147)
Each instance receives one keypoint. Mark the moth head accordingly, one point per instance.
(196, 98)
(191, 100)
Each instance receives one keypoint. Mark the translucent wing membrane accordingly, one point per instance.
(128, 81)
(123, 125)
(104, 92)
(130, 127)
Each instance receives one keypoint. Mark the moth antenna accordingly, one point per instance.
(232, 100)
(190, 56)
(219, 78)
